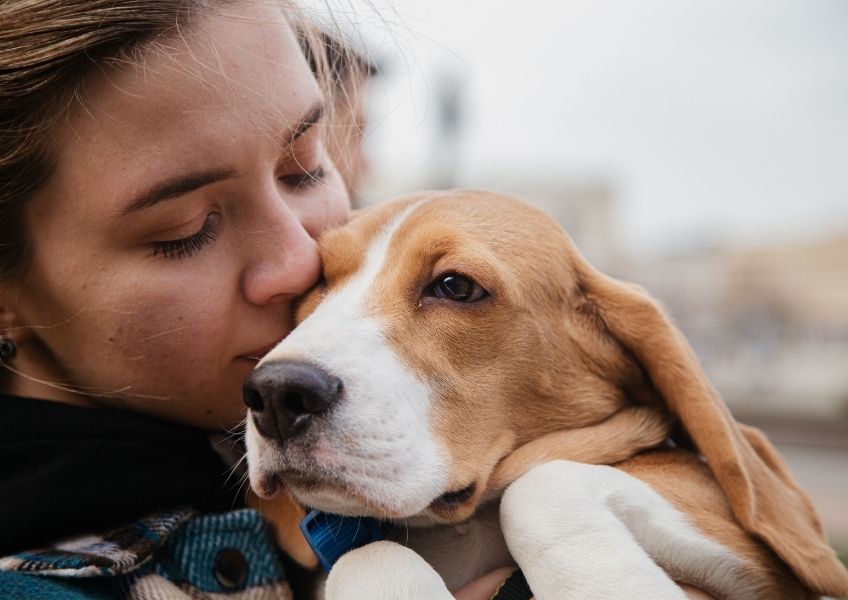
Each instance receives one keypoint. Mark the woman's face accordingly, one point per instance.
(179, 225)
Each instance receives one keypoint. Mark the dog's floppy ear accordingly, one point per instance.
(763, 494)
(284, 514)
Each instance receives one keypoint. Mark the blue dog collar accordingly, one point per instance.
(331, 536)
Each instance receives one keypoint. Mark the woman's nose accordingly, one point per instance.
(284, 260)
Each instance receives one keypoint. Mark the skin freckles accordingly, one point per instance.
(165, 309)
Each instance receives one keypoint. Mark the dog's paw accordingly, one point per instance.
(384, 571)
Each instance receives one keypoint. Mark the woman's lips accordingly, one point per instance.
(256, 355)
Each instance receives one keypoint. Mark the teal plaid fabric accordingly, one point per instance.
(170, 555)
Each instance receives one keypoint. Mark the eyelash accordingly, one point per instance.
(191, 245)
(304, 179)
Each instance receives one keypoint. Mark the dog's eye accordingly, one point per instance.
(458, 288)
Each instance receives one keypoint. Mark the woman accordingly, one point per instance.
(162, 188)
(162, 181)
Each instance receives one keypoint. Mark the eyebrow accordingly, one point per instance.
(184, 184)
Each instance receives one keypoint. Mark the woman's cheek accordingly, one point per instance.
(170, 322)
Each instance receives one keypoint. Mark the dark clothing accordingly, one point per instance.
(67, 470)
(100, 503)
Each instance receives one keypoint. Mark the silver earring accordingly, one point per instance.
(8, 349)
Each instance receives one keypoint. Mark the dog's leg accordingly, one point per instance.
(591, 531)
(622, 436)
(384, 571)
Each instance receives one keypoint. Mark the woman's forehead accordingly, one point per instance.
(232, 76)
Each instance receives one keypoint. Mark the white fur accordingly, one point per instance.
(592, 531)
(377, 440)
(577, 531)
(384, 571)
(261, 456)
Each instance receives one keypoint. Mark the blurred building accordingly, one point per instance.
(770, 324)
(582, 205)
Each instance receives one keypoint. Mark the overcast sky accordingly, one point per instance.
(712, 120)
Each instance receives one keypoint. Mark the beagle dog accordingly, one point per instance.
(462, 371)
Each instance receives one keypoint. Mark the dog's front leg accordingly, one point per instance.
(570, 542)
(384, 571)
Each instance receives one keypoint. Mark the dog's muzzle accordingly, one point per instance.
(284, 396)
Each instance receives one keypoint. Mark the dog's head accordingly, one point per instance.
(451, 328)
(433, 347)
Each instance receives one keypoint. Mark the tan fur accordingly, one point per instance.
(562, 361)
(497, 365)
(606, 443)
(284, 514)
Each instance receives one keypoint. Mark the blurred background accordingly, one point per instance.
(695, 147)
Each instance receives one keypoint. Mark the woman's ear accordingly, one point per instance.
(284, 514)
(765, 498)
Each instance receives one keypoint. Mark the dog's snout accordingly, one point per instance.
(281, 393)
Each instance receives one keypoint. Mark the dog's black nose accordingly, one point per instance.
(280, 393)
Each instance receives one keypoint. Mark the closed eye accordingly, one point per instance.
(189, 246)
(303, 179)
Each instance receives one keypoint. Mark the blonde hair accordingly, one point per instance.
(47, 49)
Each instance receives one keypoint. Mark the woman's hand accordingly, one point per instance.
(485, 587)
